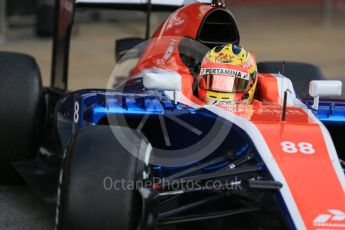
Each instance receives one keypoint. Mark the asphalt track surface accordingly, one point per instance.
(21, 209)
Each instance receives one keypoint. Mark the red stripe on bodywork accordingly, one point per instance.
(311, 178)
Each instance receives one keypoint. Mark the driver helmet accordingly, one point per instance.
(228, 75)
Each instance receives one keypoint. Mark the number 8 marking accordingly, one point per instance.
(289, 147)
(303, 147)
(306, 148)
(76, 112)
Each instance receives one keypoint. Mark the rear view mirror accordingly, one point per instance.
(163, 81)
(324, 88)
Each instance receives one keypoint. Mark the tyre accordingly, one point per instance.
(127, 53)
(337, 134)
(21, 108)
(123, 46)
(89, 198)
(299, 73)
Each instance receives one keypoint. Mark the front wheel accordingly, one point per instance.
(95, 190)
(21, 108)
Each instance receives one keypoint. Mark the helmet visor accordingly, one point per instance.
(223, 83)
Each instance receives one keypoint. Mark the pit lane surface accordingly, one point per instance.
(21, 209)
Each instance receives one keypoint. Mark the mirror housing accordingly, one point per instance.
(163, 81)
(323, 88)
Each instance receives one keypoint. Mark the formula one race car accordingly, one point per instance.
(152, 153)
